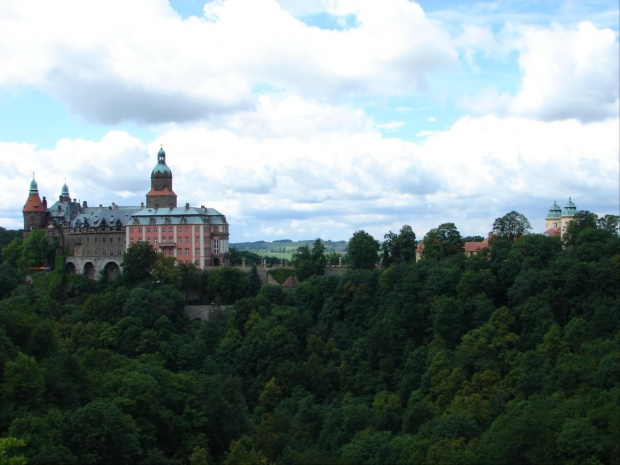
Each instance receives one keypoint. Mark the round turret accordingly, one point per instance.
(64, 193)
(570, 209)
(34, 189)
(161, 167)
(554, 211)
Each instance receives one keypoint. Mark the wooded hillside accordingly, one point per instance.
(508, 357)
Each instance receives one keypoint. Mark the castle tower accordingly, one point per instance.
(161, 194)
(64, 193)
(35, 210)
(568, 213)
(554, 217)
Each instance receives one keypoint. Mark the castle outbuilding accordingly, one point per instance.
(558, 219)
(95, 238)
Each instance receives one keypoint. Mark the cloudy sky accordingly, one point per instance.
(315, 118)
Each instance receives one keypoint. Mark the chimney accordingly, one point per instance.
(187, 206)
(85, 204)
(142, 204)
(44, 202)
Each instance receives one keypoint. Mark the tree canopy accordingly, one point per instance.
(443, 241)
(399, 248)
(309, 262)
(510, 357)
(362, 252)
(138, 262)
(511, 226)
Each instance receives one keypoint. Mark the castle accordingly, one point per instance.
(95, 238)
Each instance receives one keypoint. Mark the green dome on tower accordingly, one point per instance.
(554, 211)
(34, 189)
(569, 209)
(64, 193)
(161, 167)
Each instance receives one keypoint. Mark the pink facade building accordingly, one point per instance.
(196, 235)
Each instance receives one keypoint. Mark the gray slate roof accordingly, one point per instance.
(94, 216)
(192, 215)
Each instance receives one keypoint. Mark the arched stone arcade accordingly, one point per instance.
(112, 270)
(92, 267)
(89, 270)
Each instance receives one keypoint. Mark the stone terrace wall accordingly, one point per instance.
(204, 312)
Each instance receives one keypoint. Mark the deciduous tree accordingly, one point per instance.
(443, 241)
(138, 262)
(363, 251)
(511, 226)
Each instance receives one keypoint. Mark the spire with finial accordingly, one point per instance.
(34, 189)
(64, 193)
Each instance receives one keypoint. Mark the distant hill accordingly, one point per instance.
(287, 246)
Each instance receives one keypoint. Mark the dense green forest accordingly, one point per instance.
(508, 357)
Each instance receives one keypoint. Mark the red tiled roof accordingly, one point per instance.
(470, 247)
(34, 204)
(553, 232)
(291, 281)
(473, 247)
(164, 191)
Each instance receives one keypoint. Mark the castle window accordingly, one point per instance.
(139, 230)
(187, 240)
(148, 229)
(131, 240)
(155, 229)
(187, 252)
(180, 229)
(96, 252)
(179, 240)
(171, 230)
(155, 241)
(216, 245)
(130, 230)
(104, 252)
(179, 252)
(186, 229)
(120, 252)
(197, 228)
(197, 252)
(111, 252)
(103, 239)
(197, 240)
(88, 253)
(148, 241)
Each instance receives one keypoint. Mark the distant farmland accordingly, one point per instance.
(284, 248)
